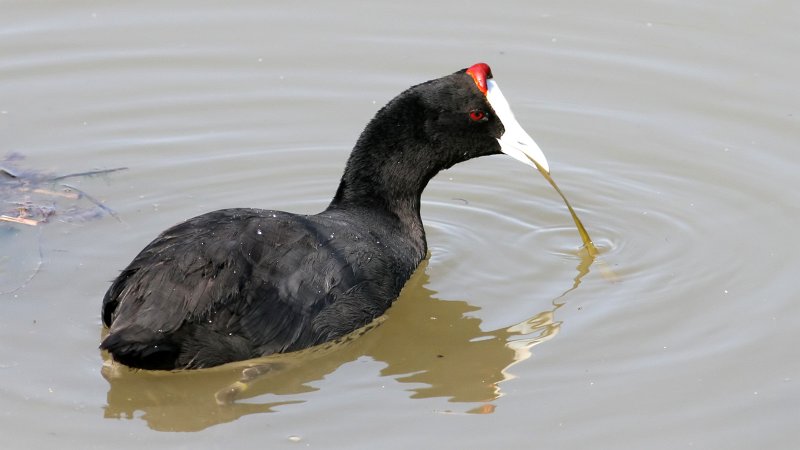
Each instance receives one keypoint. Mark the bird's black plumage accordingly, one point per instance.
(236, 284)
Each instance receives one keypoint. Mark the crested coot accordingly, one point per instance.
(237, 284)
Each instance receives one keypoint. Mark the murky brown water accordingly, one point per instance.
(672, 128)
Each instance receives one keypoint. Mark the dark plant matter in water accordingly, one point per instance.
(29, 198)
(237, 284)
(33, 197)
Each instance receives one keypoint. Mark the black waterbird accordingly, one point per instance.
(236, 284)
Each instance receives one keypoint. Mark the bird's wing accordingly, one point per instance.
(255, 276)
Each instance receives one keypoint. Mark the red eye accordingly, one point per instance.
(477, 115)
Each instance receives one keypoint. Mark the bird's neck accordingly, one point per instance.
(386, 188)
(387, 172)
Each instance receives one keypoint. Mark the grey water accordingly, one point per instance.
(671, 127)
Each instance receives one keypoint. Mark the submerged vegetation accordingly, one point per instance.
(31, 197)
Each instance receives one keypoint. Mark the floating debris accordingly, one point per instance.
(30, 197)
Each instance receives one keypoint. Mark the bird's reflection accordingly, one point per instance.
(423, 340)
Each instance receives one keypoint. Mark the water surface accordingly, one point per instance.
(672, 128)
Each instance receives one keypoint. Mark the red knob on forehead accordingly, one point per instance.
(480, 73)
